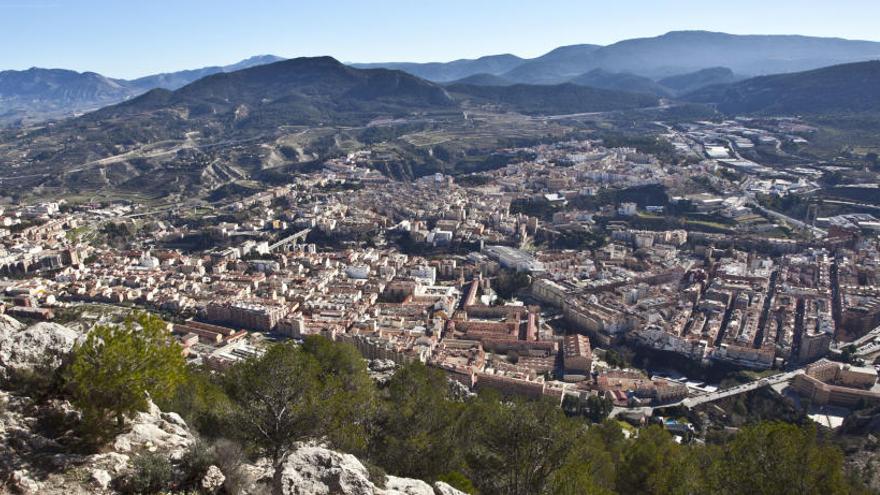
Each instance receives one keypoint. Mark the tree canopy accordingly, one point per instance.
(117, 368)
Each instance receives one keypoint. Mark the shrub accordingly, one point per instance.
(151, 473)
(195, 463)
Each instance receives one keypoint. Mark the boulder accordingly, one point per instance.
(9, 324)
(112, 462)
(441, 488)
(156, 431)
(40, 346)
(406, 486)
(311, 469)
(101, 478)
(23, 483)
(213, 479)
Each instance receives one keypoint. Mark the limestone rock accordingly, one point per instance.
(101, 478)
(113, 462)
(213, 479)
(156, 431)
(312, 470)
(40, 345)
(9, 324)
(22, 481)
(316, 470)
(441, 488)
(406, 486)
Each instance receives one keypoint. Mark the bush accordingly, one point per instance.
(152, 473)
(229, 457)
(376, 474)
(195, 463)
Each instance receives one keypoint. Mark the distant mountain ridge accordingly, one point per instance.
(692, 81)
(672, 64)
(602, 79)
(671, 54)
(175, 80)
(451, 71)
(37, 94)
(848, 88)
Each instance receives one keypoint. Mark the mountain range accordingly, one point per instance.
(671, 54)
(224, 125)
(673, 64)
(37, 94)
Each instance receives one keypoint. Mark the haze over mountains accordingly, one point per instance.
(664, 66)
(37, 94)
(840, 89)
(671, 54)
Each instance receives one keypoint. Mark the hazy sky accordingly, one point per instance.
(128, 38)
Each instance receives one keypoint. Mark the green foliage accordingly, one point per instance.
(458, 481)
(200, 400)
(413, 427)
(151, 473)
(416, 427)
(275, 399)
(598, 408)
(655, 464)
(549, 100)
(529, 447)
(347, 397)
(117, 366)
(778, 459)
(196, 461)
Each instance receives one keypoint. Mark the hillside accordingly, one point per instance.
(848, 88)
(555, 66)
(556, 99)
(692, 81)
(598, 78)
(451, 71)
(482, 80)
(35, 95)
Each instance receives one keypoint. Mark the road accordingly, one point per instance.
(691, 402)
(695, 401)
(775, 214)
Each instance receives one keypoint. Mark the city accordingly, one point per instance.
(648, 266)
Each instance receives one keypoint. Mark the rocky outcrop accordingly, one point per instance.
(9, 324)
(42, 346)
(156, 431)
(213, 480)
(314, 470)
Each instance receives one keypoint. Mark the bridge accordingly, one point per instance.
(301, 235)
(696, 400)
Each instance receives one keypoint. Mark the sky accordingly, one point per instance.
(131, 38)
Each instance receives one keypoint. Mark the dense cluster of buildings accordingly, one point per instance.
(422, 270)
